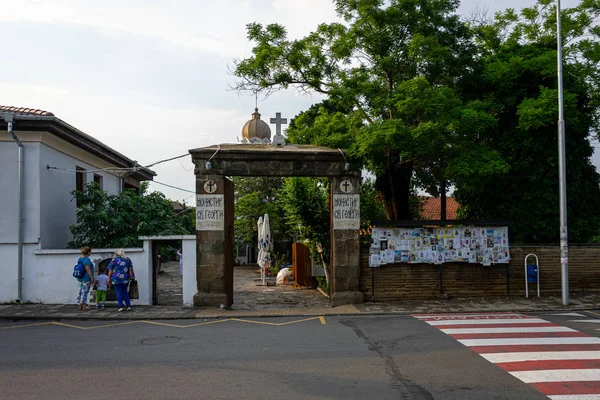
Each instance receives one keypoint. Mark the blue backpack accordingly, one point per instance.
(79, 270)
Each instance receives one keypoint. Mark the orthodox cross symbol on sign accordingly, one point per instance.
(278, 121)
(346, 186)
(210, 187)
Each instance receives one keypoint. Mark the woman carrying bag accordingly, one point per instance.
(119, 275)
(84, 284)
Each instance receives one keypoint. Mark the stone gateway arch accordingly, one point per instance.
(215, 212)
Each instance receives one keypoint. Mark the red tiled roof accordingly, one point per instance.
(430, 208)
(26, 111)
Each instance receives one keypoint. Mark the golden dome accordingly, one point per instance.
(256, 130)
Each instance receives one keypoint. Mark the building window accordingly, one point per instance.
(129, 186)
(98, 180)
(79, 180)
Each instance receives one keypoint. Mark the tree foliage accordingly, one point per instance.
(388, 73)
(423, 99)
(105, 220)
(305, 202)
(255, 197)
(516, 81)
(370, 208)
(297, 207)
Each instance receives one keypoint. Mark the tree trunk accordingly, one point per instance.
(325, 269)
(394, 189)
(443, 200)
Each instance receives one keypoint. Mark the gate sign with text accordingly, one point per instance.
(210, 212)
(346, 211)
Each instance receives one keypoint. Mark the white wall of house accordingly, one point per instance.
(49, 209)
(8, 269)
(48, 213)
(9, 192)
(57, 207)
(48, 274)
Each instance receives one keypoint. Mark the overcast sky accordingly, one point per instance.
(150, 77)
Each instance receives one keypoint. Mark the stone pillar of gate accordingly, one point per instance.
(210, 241)
(345, 241)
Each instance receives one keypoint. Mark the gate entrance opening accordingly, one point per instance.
(215, 212)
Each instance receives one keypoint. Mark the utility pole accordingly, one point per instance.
(564, 237)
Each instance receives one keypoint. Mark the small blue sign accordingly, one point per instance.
(532, 273)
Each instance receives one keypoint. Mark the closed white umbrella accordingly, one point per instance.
(265, 247)
(259, 224)
(259, 255)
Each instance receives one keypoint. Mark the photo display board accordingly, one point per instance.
(475, 245)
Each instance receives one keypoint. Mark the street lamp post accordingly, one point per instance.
(564, 237)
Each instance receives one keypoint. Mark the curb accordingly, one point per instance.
(84, 318)
(46, 317)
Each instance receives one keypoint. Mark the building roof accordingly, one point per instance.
(431, 208)
(31, 119)
(256, 129)
(26, 111)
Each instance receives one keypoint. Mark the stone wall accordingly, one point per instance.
(422, 281)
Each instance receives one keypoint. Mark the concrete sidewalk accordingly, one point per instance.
(513, 304)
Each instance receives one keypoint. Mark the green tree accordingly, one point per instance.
(370, 208)
(370, 69)
(517, 82)
(255, 197)
(305, 202)
(433, 128)
(105, 220)
(187, 219)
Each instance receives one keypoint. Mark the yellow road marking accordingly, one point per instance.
(295, 322)
(208, 323)
(69, 325)
(218, 321)
(248, 321)
(161, 324)
(591, 312)
(115, 324)
(184, 326)
(25, 326)
(253, 322)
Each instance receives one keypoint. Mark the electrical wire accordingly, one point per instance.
(174, 187)
(168, 159)
(218, 148)
(130, 169)
(85, 171)
(184, 168)
(117, 169)
(185, 208)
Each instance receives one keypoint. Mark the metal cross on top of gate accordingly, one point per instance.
(278, 121)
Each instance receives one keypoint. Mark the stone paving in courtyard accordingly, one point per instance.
(170, 288)
(249, 295)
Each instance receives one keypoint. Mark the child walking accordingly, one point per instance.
(102, 287)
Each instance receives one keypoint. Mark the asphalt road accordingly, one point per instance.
(385, 357)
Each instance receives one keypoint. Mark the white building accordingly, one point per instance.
(56, 157)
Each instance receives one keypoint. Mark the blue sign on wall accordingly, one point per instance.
(532, 273)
